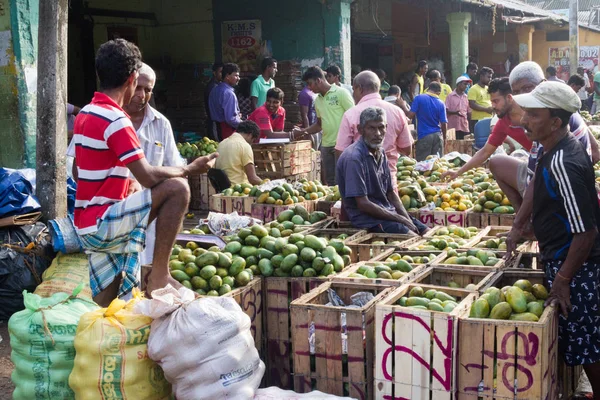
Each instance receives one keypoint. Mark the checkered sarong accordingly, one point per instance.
(116, 246)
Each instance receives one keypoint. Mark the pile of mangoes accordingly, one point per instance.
(313, 190)
(243, 189)
(406, 169)
(450, 237)
(208, 272)
(589, 117)
(432, 299)
(388, 270)
(476, 257)
(520, 302)
(280, 195)
(492, 243)
(297, 216)
(202, 147)
(414, 259)
(456, 197)
(491, 199)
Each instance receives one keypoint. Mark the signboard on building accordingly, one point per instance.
(241, 43)
(559, 58)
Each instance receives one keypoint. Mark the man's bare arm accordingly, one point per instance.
(149, 176)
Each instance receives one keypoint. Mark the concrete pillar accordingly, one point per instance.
(51, 188)
(459, 42)
(525, 35)
(337, 39)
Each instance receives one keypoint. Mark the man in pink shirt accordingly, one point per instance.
(398, 139)
(457, 108)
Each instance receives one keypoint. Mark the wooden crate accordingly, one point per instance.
(481, 220)
(433, 218)
(335, 371)
(438, 275)
(324, 206)
(464, 146)
(345, 277)
(270, 212)
(416, 350)
(432, 235)
(200, 192)
(229, 204)
(315, 168)
(249, 298)
(282, 160)
(364, 250)
(527, 349)
(278, 294)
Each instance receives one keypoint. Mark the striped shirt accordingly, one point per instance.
(105, 142)
(565, 202)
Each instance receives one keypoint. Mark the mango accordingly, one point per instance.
(524, 285)
(416, 291)
(417, 301)
(516, 298)
(539, 291)
(480, 309)
(526, 316)
(502, 310)
(535, 308)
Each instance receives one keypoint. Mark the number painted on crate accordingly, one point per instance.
(427, 219)
(238, 206)
(552, 365)
(456, 219)
(251, 305)
(269, 214)
(445, 376)
(529, 342)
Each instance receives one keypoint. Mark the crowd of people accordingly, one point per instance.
(130, 177)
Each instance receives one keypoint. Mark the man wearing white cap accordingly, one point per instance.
(566, 216)
(457, 107)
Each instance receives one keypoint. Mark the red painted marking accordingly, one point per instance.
(275, 291)
(477, 366)
(360, 391)
(446, 350)
(278, 310)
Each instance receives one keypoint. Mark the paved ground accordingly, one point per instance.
(6, 366)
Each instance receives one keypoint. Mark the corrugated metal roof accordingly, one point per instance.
(585, 10)
(528, 9)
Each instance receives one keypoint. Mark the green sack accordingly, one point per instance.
(41, 338)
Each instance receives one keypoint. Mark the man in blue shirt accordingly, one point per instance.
(223, 104)
(432, 122)
(365, 182)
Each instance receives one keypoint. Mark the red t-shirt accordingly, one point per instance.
(267, 121)
(105, 142)
(503, 128)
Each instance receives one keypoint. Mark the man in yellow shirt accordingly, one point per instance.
(236, 157)
(479, 98)
(436, 76)
(421, 71)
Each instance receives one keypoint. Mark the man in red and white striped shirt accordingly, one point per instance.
(112, 213)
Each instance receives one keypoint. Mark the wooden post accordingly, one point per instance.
(51, 143)
(574, 36)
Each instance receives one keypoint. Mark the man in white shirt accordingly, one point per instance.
(333, 74)
(156, 137)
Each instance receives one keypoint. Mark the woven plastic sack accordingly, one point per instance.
(112, 360)
(66, 272)
(204, 346)
(41, 338)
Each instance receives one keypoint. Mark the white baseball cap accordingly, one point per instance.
(463, 78)
(555, 95)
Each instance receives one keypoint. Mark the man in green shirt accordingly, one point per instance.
(264, 82)
(596, 105)
(331, 103)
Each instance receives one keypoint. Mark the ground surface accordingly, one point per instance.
(6, 366)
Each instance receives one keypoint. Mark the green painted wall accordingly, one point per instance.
(11, 150)
(24, 21)
(18, 83)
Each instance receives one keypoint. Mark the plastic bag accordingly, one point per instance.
(41, 338)
(21, 264)
(66, 272)
(111, 360)
(275, 393)
(64, 235)
(204, 346)
(228, 224)
(17, 192)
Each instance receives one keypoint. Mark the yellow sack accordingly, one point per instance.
(66, 272)
(111, 360)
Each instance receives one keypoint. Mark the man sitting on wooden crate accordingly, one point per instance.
(112, 214)
(236, 156)
(566, 217)
(365, 182)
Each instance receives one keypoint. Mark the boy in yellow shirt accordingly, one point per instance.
(236, 157)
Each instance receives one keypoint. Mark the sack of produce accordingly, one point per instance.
(111, 360)
(66, 272)
(41, 338)
(204, 345)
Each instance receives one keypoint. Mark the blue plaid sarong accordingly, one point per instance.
(116, 246)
